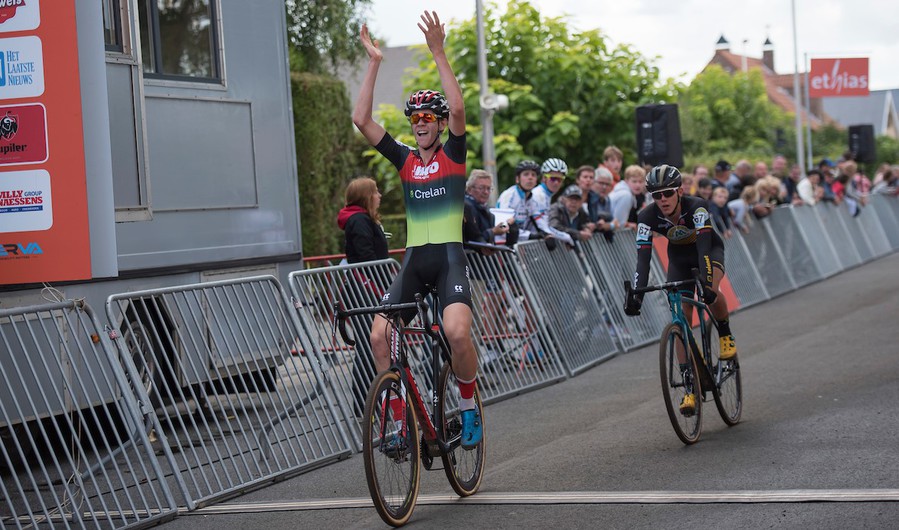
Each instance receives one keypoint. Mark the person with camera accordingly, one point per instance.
(686, 222)
(478, 224)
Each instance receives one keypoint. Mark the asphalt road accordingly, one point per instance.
(817, 447)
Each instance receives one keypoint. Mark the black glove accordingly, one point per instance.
(632, 306)
(708, 295)
(550, 243)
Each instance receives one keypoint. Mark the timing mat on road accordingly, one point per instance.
(576, 497)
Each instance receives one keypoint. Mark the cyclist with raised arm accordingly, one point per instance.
(686, 222)
(433, 177)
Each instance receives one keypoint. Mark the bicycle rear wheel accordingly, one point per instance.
(728, 390)
(391, 450)
(464, 468)
(678, 380)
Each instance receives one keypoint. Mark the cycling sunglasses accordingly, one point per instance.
(664, 193)
(419, 116)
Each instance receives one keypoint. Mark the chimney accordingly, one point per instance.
(722, 44)
(768, 54)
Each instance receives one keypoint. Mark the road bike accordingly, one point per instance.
(701, 371)
(399, 431)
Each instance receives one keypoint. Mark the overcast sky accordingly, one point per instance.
(683, 33)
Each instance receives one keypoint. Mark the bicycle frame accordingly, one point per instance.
(399, 361)
(676, 299)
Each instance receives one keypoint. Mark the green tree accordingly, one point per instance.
(570, 93)
(323, 32)
(723, 113)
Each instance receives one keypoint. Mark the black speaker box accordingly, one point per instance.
(658, 135)
(861, 143)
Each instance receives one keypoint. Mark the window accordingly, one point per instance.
(112, 26)
(177, 39)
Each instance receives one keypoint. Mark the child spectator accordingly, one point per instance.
(720, 213)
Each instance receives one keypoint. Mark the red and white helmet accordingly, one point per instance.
(427, 100)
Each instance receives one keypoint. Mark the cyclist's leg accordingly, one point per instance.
(454, 289)
(727, 344)
(403, 289)
(680, 267)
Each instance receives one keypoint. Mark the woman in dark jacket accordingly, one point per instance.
(359, 219)
(365, 241)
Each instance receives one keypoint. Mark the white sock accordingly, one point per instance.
(466, 404)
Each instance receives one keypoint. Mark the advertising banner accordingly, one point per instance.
(44, 230)
(838, 77)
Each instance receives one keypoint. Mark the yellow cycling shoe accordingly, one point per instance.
(728, 347)
(688, 405)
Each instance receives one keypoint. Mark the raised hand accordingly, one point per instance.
(371, 47)
(434, 31)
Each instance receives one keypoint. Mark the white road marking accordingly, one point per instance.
(576, 497)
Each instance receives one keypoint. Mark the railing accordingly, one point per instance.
(195, 393)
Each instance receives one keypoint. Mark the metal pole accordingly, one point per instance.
(808, 113)
(800, 154)
(488, 152)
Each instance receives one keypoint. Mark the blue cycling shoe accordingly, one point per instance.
(472, 430)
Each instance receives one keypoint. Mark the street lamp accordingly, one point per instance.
(489, 103)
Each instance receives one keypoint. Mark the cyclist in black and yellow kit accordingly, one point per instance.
(686, 222)
(433, 177)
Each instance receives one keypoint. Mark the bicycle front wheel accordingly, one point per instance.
(390, 448)
(464, 468)
(728, 390)
(680, 379)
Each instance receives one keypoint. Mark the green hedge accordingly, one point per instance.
(328, 156)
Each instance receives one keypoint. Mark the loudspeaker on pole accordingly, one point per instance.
(658, 135)
(861, 143)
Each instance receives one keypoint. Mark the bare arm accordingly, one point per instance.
(434, 36)
(362, 113)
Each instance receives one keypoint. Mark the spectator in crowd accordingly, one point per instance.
(720, 213)
(779, 166)
(760, 170)
(567, 216)
(529, 215)
(613, 159)
(773, 189)
(688, 183)
(881, 172)
(701, 172)
(554, 171)
(741, 177)
(857, 187)
(624, 196)
(594, 204)
(478, 224)
(704, 189)
(742, 206)
(364, 237)
(889, 182)
(723, 176)
(601, 212)
(768, 197)
(364, 240)
(789, 184)
(826, 168)
(807, 189)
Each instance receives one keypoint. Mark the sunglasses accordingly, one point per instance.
(419, 116)
(664, 193)
(555, 179)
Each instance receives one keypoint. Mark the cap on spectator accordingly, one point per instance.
(722, 165)
(573, 191)
(826, 162)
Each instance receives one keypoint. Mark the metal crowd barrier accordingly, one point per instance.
(832, 223)
(873, 230)
(888, 216)
(348, 370)
(611, 262)
(510, 330)
(227, 370)
(82, 456)
(742, 273)
(784, 231)
(820, 241)
(573, 313)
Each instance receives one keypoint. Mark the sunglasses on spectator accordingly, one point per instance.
(664, 193)
(419, 116)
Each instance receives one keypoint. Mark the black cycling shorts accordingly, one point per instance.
(443, 266)
(682, 263)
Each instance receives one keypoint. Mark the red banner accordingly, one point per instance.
(838, 77)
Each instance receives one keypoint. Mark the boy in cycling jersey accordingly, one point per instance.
(433, 178)
(686, 222)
